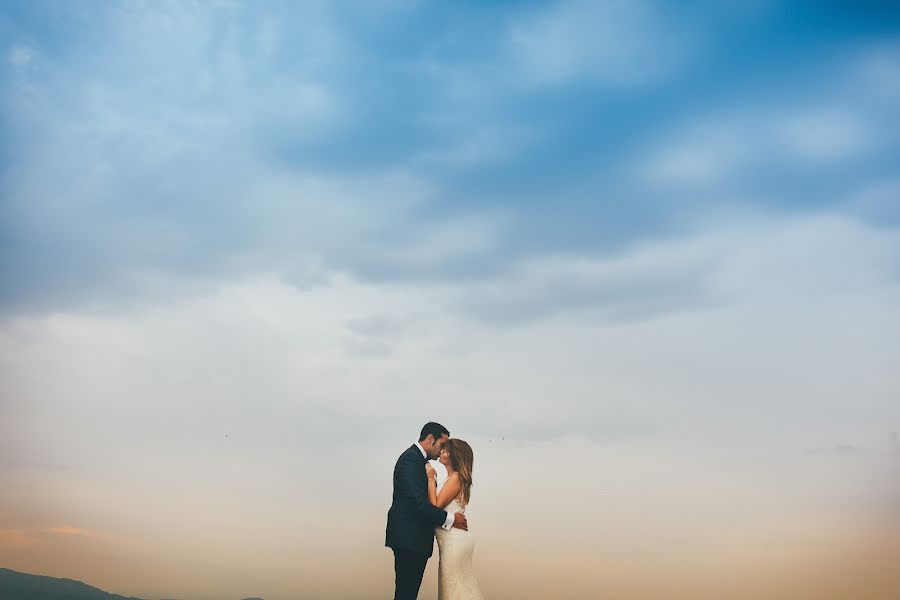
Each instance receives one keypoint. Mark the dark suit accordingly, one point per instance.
(410, 523)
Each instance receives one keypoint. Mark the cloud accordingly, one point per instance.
(170, 160)
(66, 530)
(825, 136)
(240, 219)
(253, 249)
(876, 203)
(21, 55)
(611, 43)
(647, 283)
(296, 352)
(214, 143)
(242, 389)
(877, 70)
(737, 147)
(13, 539)
(833, 124)
(478, 146)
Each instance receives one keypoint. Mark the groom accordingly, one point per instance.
(412, 518)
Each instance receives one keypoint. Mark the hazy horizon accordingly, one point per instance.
(643, 257)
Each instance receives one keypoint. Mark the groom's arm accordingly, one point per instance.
(410, 477)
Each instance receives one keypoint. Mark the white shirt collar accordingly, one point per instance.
(422, 450)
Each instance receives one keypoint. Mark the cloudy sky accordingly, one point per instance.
(644, 257)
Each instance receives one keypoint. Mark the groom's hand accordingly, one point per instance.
(459, 521)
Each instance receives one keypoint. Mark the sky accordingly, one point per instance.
(643, 256)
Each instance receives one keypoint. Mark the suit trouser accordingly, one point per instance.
(409, 568)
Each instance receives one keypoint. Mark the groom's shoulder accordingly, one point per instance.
(408, 453)
(411, 451)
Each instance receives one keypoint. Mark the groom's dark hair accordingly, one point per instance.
(435, 429)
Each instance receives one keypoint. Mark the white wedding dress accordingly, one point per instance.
(455, 578)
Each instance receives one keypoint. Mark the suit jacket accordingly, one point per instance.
(412, 518)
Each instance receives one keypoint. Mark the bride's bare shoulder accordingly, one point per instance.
(454, 481)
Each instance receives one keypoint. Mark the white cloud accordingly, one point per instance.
(611, 42)
(648, 280)
(257, 397)
(478, 144)
(712, 151)
(877, 72)
(20, 55)
(823, 136)
(705, 154)
(256, 353)
(837, 118)
(878, 202)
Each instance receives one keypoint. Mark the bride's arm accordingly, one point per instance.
(432, 487)
(450, 491)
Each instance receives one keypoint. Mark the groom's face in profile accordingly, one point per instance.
(434, 450)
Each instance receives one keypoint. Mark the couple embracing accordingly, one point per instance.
(425, 507)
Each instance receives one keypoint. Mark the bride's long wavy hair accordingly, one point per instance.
(461, 459)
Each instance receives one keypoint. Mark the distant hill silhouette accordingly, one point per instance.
(24, 586)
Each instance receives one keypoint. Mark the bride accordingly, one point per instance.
(455, 578)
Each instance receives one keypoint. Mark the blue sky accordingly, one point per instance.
(576, 128)
(245, 245)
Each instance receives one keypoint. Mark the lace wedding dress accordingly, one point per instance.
(455, 578)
